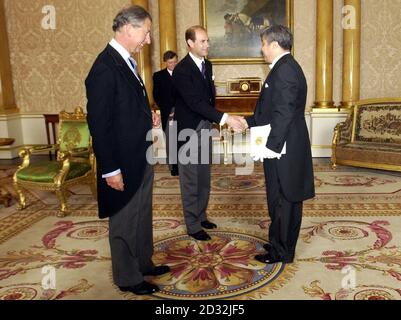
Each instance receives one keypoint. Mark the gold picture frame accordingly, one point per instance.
(234, 30)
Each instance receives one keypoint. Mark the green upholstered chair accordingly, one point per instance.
(75, 163)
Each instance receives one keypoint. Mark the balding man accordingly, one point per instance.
(195, 112)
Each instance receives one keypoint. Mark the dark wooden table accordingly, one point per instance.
(50, 122)
(5, 196)
(237, 104)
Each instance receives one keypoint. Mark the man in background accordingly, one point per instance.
(164, 95)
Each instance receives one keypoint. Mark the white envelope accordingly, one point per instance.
(259, 136)
(258, 141)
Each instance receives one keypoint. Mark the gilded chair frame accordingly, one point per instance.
(59, 185)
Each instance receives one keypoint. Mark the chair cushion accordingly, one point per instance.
(374, 146)
(46, 171)
(379, 154)
(379, 124)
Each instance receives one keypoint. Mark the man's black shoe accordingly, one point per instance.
(200, 235)
(208, 225)
(174, 170)
(141, 288)
(267, 258)
(157, 271)
(267, 247)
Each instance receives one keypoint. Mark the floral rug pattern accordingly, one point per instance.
(349, 247)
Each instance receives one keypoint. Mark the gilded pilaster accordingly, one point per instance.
(324, 54)
(351, 52)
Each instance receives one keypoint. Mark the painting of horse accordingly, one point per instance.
(234, 26)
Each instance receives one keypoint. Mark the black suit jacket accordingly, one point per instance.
(164, 94)
(282, 104)
(119, 117)
(195, 95)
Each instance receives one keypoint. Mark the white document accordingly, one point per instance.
(259, 136)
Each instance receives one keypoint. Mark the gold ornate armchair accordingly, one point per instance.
(75, 163)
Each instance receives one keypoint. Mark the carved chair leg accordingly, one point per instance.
(21, 196)
(333, 163)
(93, 188)
(62, 197)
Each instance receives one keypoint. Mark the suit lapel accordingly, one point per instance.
(167, 78)
(208, 73)
(123, 67)
(128, 75)
(166, 74)
(284, 59)
(209, 79)
(196, 70)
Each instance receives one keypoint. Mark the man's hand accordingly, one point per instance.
(244, 123)
(116, 182)
(237, 123)
(156, 120)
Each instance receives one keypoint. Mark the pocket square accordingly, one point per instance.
(266, 85)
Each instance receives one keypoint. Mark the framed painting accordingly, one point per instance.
(234, 27)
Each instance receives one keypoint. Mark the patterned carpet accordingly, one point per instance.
(349, 247)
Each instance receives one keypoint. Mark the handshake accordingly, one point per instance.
(237, 123)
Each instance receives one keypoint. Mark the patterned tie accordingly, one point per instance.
(203, 69)
(134, 65)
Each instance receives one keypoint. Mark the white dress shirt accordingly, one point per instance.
(276, 59)
(125, 54)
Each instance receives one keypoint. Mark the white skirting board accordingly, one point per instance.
(26, 129)
(321, 128)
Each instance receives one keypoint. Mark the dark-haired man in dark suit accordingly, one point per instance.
(289, 175)
(164, 95)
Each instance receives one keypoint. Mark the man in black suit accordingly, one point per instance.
(119, 118)
(289, 174)
(164, 95)
(195, 110)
